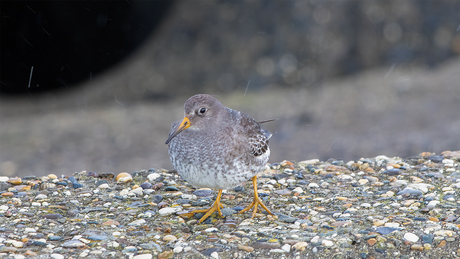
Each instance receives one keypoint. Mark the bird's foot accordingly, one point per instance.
(215, 207)
(256, 202)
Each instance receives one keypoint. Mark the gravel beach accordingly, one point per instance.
(378, 207)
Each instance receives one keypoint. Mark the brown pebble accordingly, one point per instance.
(30, 253)
(111, 222)
(15, 181)
(166, 255)
(417, 247)
(433, 219)
(300, 246)
(162, 205)
(371, 241)
(7, 194)
(22, 188)
(124, 178)
(157, 186)
(441, 244)
(167, 230)
(246, 248)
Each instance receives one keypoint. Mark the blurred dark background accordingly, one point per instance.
(96, 85)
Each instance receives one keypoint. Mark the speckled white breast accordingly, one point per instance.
(213, 161)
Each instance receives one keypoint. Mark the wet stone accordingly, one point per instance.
(386, 230)
(392, 172)
(146, 185)
(285, 218)
(157, 198)
(410, 191)
(239, 189)
(227, 212)
(55, 238)
(436, 159)
(171, 189)
(428, 238)
(183, 201)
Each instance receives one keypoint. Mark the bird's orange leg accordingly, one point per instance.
(257, 201)
(216, 206)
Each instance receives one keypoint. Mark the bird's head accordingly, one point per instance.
(202, 111)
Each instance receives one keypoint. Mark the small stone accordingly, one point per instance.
(386, 230)
(203, 192)
(143, 256)
(73, 244)
(4, 178)
(411, 237)
(15, 181)
(286, 248)
(300, 246)
(30, 253)
(41, 197)
(178, 249)
(417, 247)
(166, 255)
(371, 241)
(444, 232)
(246, 248)
(168, 211)
(146, 185)
(363, 181)
(52, 176)
(57, 256)
(137, 223)
(313, 185)
(428, 238)
(215, 255)
(442, 243)
(124, 178)
(7, 194)
(327, 243)
(169, 238)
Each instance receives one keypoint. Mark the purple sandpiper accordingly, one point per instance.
(217, 147)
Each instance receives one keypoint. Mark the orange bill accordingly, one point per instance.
(182, 126)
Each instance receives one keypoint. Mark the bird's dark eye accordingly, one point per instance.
(202, 111)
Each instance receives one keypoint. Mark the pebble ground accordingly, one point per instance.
(376, 207)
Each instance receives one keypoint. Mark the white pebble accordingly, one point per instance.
(327, 243)
(365, 205)
(286, 248)
(4, 178)
(298, 190)
(57, 256)
(313, 185)
(177, 249)
(137, 223)
(211, 230)
(143, 256)
(168, 211)
(138, 191)
(423, 187)
(152, 177)
(103, 186)
(215, 255)
(411, 237)
(41, 197)
(187, 248)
